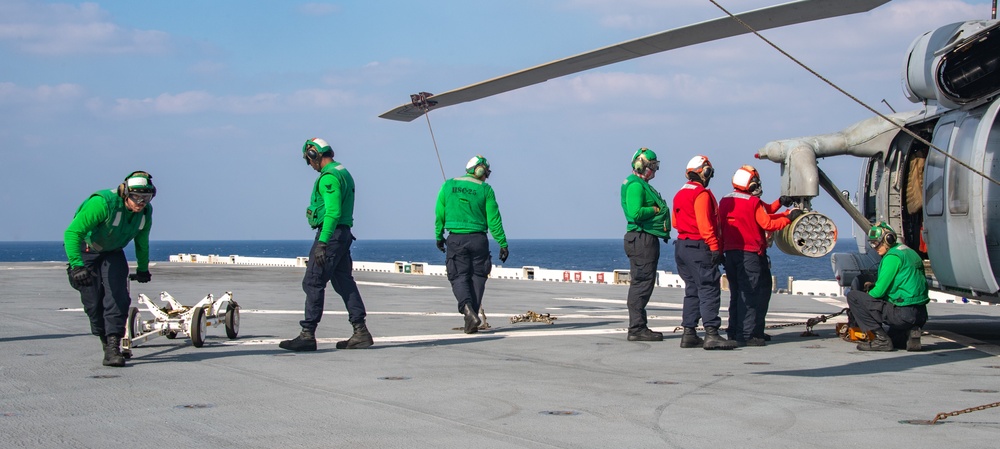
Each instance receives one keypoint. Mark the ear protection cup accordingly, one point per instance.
(889, 238)
(638, 162)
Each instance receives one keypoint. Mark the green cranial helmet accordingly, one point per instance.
(314, 149)
(139, 182)
(879, 233)
(644, 158)
(478, 166)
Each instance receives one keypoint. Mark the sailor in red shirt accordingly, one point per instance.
(698, 253)
(744, 221)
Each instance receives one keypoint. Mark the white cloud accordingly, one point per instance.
(194, 102)
(11, 93)
(63, 29)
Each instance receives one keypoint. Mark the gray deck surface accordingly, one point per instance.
(575, 383)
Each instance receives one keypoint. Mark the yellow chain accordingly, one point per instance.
(968, 410)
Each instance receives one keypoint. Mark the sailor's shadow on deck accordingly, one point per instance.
(42, 337)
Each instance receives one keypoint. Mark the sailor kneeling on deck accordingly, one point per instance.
(898, 296)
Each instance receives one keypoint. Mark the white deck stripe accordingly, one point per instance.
(393, 285)
(830, 301)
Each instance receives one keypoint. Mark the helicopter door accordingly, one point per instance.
(955, 205)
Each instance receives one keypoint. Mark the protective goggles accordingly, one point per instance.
(140, 198)
(653, 165)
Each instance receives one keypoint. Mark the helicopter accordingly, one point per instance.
(929, 173)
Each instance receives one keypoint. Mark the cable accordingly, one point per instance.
(427, 114)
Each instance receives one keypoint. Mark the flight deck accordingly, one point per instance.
(575, 382)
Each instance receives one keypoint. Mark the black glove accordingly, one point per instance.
(666, 240)
(794, 213)
(79, 277)
(786, 201)
(503, 254)
(440, 244)
(142, 276)
(717, 258)
(318, 253)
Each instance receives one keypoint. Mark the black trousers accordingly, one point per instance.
(338, 272)
(106, 301)
(869, 313)
(702, 293)
(749, 276)
(643, 251)
(468, 263)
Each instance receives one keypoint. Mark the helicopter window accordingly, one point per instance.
(934, 172)
(958, 176)
(872, 180)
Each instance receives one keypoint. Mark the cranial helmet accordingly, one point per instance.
(699, 169)
(746, 179)
(479, 167)
(137, 182)
(314, 149)
(880, 233)
(644, 158)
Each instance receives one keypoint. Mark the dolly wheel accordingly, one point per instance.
(134, 323)
(232, 320)
(198, 326)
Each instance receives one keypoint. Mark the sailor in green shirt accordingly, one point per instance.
(647, 219)
(898, 297)
(467, 208)
(94, 241)
(331, 214)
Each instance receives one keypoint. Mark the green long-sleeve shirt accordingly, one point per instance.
(466, 205)
(105, 224)
(901, 278)
(638, 201)
(332, 201)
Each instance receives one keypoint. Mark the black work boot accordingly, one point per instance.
(646, 334)
(306, 341)
(690, 338)
(714, 341)
(880, 343)
(113, 352)
(898, 337)
(472, 321)
(360, 340)
(913, 343)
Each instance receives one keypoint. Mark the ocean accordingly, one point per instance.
(562, 254)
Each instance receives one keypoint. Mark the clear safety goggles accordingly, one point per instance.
(140, 198)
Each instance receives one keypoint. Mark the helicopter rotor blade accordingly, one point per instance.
(723, 27)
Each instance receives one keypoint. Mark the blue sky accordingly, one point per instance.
(215, 99)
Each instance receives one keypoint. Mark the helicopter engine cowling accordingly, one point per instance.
(955, 65)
